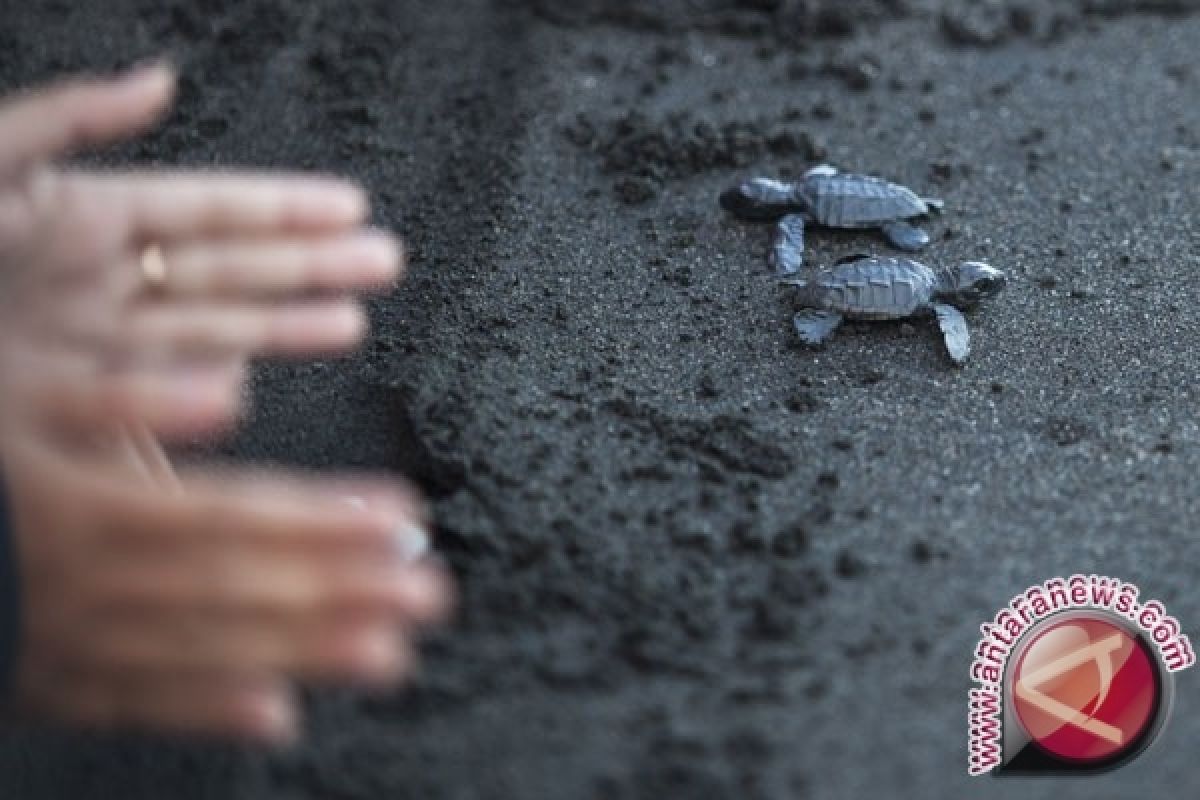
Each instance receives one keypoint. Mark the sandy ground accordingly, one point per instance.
(698, 560)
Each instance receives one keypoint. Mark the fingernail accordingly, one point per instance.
(184, 385)
(340, 326)
(159, 71)
(201, 388)
(410, 541)
(349, 203)
(276, 719)
(378, 256)
(377, 654)
(352, 323)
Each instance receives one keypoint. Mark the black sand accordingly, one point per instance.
(697, 560)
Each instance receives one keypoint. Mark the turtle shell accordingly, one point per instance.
(873, 287)
(859, 201)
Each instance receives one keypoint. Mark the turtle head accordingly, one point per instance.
(971, 281)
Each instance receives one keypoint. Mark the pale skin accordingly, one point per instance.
(189, 603)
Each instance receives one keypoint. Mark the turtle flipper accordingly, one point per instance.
(815, 326)
(787, 251)
(954, 331)
(936, 205)
(904, 236)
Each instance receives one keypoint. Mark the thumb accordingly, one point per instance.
(53, 122)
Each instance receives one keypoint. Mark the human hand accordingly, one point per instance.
(255, 264)
(194, 610)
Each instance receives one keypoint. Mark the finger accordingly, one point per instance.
(180, 206)
(216, 580)
(127, 452)
(174, 329)
(325, 648)
(173, 403)
(222, 269)
(119, 448)
(254, 708)
(53, 122)
(287, 514)
(148, 451)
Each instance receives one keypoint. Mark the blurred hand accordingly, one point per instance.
(188, 604)
(254, 264)
(194, 610)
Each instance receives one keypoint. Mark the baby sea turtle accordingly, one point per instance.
(825, 196)
(888, 287)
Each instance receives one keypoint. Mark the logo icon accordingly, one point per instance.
(1086, 691)
(1074, 676)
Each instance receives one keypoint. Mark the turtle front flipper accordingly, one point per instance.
(787, 251)
(904, 236)
(954, 331)
(815, 326)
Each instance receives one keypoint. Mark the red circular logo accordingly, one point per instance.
(1085, 689)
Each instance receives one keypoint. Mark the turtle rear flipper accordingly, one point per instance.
(954, 331)
(904, 236)
(815, 326)
(787, 251)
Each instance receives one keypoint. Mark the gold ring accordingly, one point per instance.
(154, 267)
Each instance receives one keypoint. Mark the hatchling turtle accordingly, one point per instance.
(825, 196)
(864, 286)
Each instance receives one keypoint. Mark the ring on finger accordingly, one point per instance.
(154, 268)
